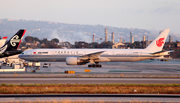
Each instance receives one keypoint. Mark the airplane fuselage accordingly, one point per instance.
(113, 55)
(94, 56)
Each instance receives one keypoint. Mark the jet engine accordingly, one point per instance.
(72, 61)
(75, 61)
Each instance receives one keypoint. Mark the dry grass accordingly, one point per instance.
(69, 101)
(90, 89)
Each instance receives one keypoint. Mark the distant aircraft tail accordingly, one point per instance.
(14, 42)
(158, 43)
(2, 41)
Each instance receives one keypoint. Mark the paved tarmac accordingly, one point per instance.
(146, 66)
(91, 97)
(89, 80)
(146, 72)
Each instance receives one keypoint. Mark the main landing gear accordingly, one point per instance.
(95, 65)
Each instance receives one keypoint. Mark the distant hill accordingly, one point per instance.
(69, 32)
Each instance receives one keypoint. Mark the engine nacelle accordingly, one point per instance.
(72, 61)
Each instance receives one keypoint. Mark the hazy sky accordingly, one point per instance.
(142, 14)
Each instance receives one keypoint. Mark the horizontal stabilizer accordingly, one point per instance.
(162, 52)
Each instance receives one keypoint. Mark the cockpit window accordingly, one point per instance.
(22, 53)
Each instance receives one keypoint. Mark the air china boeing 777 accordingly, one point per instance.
(94, 56)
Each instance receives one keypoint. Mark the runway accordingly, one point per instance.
(91, 98)
(141, 69)
(89, 80)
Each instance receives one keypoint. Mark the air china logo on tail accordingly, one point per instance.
(14, 40)
(160, 42)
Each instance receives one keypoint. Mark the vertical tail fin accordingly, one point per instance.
(2, 41)
(14, 42)
(158, 43)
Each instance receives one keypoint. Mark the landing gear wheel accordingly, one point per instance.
(89, 66)
(94, 65)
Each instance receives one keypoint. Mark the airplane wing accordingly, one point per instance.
(91, 56)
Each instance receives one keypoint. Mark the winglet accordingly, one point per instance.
(158, 43)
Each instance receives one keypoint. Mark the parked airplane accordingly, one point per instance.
(10, 47)
(2, 41)
(94, 56)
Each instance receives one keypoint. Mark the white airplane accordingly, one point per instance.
(2, 41)
(94, 56)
